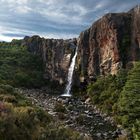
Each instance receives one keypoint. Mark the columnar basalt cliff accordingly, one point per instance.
(111, 43)
(56, 54)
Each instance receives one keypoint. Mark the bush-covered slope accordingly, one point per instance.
(129, 102)
(19, 119)
(106, 91)
(18, 67)
(119, 96)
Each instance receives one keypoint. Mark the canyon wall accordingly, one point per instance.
(111, 43)
(56, 54)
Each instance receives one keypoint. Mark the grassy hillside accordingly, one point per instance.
(119, 96)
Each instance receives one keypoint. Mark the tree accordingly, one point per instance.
(129, 102)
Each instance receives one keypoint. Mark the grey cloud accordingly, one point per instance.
(54, 18)
(13, 35)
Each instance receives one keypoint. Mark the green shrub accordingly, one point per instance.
(80, 119)
(59, 107)
(7, 98)
(120, 96)
(7, 88)
(20, 68)
(105, 91)
(129, 102)
(19, 119)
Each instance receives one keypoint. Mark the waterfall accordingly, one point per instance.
(70, 75)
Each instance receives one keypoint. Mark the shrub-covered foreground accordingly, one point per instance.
(120, 96)
(20, 120)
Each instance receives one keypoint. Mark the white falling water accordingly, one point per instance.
(70, 75)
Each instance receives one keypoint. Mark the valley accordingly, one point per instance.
(98, 72)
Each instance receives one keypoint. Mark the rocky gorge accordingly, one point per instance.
(77, 113)
(102, 105)
(110, 44)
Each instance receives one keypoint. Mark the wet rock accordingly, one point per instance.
(87, 100)
(87, 111)
(99, 135)
(52, 113)
(118, 132)
(86, 137)
(101, 124)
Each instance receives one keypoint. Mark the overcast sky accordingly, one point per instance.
(54, 18)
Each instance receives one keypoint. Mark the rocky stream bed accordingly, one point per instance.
(76, 113)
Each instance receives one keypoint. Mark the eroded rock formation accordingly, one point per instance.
(111, 43)
(56, 54)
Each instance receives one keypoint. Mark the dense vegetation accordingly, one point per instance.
(20, 68)
(106, 91)
(119, 96)
(19, 119)
(129, 102)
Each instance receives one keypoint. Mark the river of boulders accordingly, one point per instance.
(76, 113)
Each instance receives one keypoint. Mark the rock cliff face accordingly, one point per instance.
(111, 43)
(56, 54)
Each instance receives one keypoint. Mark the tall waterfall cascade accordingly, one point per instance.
(70, 75)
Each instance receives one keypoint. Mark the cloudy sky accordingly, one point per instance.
(54, 18)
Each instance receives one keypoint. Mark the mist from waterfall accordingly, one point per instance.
(70, 75)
